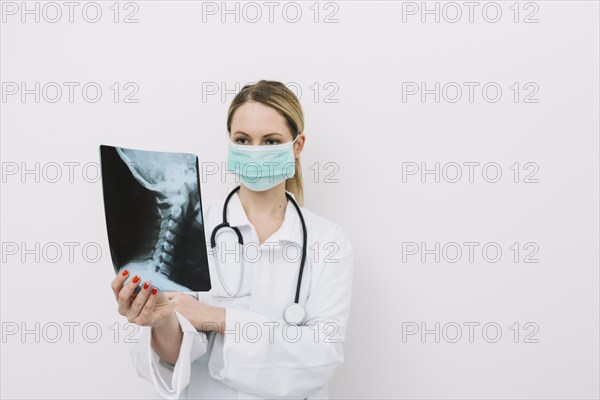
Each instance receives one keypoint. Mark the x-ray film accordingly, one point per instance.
(154, 217)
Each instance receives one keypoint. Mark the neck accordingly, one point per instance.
(268, 203)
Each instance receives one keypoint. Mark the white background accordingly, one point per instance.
(369, 133)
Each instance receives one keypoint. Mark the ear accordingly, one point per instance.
(299, 145)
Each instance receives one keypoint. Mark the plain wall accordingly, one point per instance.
(363, 130)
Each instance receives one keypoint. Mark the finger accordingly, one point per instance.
(125, 295)
(135, 292)
(138, 302)
(117, 283)
(146, 311)
(150, 312)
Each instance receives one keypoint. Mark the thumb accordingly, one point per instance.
(162, 297)
(170, 295)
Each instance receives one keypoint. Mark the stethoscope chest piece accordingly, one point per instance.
(294, 314)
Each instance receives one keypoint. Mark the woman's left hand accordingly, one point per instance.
(204, 317)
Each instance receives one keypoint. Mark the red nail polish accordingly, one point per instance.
(154, 290)
(146, 285)
(125, 273)
(136, 279)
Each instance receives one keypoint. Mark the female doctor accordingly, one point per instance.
(268, 328)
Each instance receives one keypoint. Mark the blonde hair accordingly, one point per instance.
(277, 96)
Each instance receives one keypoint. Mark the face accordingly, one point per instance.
(256, 124)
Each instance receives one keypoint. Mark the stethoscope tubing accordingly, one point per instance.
(225, 224)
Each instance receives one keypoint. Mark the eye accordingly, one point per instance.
(241, 140)
(272, 141)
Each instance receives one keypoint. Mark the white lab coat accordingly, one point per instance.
(260, 356)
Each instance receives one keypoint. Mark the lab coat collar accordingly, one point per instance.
(290, 231)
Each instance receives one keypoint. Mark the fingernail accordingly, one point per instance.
(146, 285)
(125, 273)
(136, 279)
(154, 290)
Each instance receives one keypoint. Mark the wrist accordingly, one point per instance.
(220, 319)
(216, 320)
(169, 323)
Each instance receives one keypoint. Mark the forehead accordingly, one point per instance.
(252, 117)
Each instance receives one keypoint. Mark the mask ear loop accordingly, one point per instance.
(296, 159)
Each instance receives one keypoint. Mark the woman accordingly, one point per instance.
(235, 340)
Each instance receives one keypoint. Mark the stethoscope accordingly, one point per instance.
(294, 313)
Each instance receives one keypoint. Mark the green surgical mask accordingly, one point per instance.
(262, 167)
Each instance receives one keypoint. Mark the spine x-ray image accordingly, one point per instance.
(154, 218)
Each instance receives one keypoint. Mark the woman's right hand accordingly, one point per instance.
(140, 309)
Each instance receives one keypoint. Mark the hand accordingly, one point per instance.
(141, 309)
(202, 316)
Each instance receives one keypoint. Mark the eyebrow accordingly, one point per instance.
(268, 134)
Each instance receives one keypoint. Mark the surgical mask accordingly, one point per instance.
(262, 167)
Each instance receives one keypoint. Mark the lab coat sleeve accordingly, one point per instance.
(287, 361)
(169, 381)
